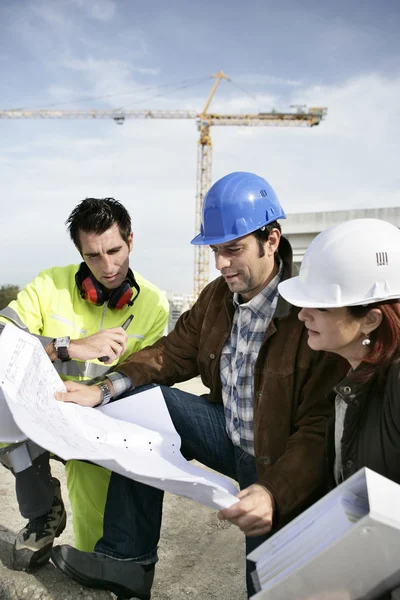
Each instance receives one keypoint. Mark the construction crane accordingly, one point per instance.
(301, 116)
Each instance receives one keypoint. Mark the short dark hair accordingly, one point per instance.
(263, 234)
(96, 215)
(385, 340)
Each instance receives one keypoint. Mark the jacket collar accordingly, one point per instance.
(283, 308)
(351, 391)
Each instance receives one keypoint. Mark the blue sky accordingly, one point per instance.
(138, 54)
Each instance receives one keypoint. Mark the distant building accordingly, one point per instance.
(301, 228)
(178, 303)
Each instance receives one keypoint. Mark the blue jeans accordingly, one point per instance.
(133, 513)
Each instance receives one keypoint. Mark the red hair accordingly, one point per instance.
(385, 339)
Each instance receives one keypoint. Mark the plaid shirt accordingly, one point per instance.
(239, 354)
(121, 384)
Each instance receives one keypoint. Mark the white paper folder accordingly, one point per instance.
(345, 547)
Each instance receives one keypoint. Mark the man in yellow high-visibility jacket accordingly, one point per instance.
(81, 309)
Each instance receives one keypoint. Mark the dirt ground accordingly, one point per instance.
(201, 558)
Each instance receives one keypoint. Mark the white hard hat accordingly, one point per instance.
(356, 262)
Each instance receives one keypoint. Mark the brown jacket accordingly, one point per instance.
(290, 387)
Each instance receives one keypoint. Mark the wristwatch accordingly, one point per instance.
(61, 346)
(106, 393)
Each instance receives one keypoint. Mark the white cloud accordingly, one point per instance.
(365, 107)
(100, 71)
(146, 71)
(110, 80)
(241, 104)
(49, 12)
(100, 10)
(57, 13)
(265, 79)
(55, 33)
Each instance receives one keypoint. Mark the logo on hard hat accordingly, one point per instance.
(382, 259)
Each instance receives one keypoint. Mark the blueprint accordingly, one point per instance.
(133, 436)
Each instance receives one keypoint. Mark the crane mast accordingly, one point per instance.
(204, 169)
(205, 120)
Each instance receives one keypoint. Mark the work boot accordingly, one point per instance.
(125, 578)
(32, 546)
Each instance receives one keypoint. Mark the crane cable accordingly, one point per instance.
(243, 90)
(187, 84)
(184, 83)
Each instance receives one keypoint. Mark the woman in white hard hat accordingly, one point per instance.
(349, 290)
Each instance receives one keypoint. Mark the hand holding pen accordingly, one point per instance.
(125, 327)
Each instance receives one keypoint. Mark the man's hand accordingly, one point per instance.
(109, 342)
(253, 513)
(85, 395)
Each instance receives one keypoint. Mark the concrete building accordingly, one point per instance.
(178, 303)
(302, 228)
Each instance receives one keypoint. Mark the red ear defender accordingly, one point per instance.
(89, 290)
(121, 296)
(92, 291)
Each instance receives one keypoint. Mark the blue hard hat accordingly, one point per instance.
(237, 205)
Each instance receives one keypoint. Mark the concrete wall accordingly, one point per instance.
(302, 228)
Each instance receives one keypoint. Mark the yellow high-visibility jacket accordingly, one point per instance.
(51, 306)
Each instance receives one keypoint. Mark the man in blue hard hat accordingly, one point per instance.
(263, 422)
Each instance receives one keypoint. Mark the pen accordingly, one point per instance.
(124, 326)
(127, 322)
